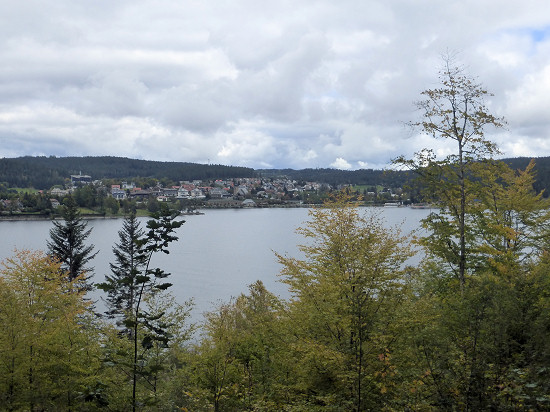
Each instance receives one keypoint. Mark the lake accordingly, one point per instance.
(218, 254)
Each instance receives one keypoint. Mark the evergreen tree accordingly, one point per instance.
(139, 282)
(121, 286)
(67, 241)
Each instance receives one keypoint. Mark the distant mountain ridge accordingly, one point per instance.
(43, 172)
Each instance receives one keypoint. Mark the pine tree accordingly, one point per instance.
(139, 282)
(121, 286)
(67, 241)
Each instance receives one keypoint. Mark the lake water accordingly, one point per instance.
(218, 254)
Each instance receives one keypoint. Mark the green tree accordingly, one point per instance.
(49, 346)
(67, 241)
(162, 365)
(153, 205)
(472, 339)
(238, 361)
(456, 112)
(510, 221)
(128, 206)
(141, 280)
(130, 260)
(345, 294)
(112, 204)
(85, 196)
(218, 373)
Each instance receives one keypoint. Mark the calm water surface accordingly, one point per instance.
(218, 254)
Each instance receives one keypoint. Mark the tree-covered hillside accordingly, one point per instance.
(394, 179)
(44, 172)
(337, 177)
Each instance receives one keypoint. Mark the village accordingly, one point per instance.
(237, 192)
(109, 196)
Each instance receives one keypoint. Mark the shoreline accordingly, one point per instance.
(31, 218)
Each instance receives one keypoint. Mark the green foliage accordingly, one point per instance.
(130, 261)
(336, 177)
(467, 329)
(85, 196)
(345, 296)
(112, 205)
(159, 361)
(456, 112)
(238, 362)
(132, 281)
(482, 274)
(45, 328)
(361, 332)
(67, 239)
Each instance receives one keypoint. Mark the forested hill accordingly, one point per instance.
(401, 178)
(44, 172)
(337, 177)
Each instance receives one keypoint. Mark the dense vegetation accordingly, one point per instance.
(335, 177)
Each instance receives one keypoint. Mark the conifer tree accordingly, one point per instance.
(121, 286)
(67, 241)
(140, 281)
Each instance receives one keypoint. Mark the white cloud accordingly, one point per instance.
(244, 144)
(340, 163)
(529, 102)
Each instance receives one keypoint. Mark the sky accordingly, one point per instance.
(263, 84)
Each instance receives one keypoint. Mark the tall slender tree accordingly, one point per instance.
(139, 280)
(456, 112)
(67, 241)
(130, 261)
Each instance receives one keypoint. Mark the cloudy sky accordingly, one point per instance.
(264, 84)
